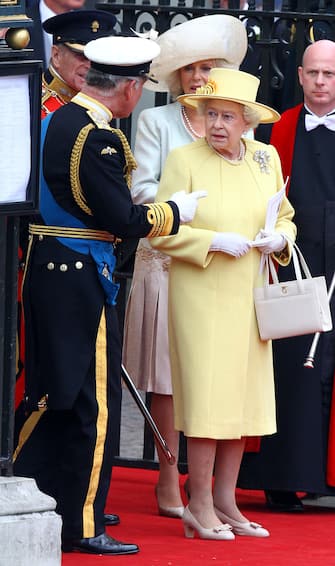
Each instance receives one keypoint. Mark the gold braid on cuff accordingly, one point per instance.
(160, 216)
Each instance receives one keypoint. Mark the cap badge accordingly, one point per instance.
(108, 150)
(95, 26)
(209, 88)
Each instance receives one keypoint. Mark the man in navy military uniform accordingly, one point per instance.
(73, 346)
(64, 77)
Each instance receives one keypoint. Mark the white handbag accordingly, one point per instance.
(292, 308)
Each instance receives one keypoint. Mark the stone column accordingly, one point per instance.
(30, 529)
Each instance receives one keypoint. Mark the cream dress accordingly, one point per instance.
(222, 373)
(145, 346)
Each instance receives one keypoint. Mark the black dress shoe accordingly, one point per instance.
(111, 519)
(286, 501)
(102, 544)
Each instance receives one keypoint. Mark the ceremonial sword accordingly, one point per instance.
(141, 405)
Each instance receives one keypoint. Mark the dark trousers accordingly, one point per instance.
(70, 452)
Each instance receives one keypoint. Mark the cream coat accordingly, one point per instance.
(222, 373)
(146, 353)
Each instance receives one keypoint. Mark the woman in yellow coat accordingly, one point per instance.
(222, 372)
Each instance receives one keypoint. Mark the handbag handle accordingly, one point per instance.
(298, 259)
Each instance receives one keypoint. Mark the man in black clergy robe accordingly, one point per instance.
(301, 456)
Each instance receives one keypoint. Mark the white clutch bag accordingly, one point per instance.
(292, 308)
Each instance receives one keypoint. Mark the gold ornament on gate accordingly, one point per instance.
(17, 38)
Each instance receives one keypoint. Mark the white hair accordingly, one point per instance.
(106, 81)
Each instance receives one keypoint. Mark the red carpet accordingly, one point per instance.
(306, 539)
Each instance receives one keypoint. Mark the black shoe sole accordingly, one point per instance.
(67, 549)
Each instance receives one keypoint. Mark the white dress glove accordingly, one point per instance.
(187, 204)
(270, 242)
(230, 243)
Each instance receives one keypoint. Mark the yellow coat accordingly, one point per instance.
(222, 373)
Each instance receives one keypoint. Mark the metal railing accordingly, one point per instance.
(9, 229)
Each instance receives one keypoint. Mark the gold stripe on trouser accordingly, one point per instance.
(27, 430)
(102, 418)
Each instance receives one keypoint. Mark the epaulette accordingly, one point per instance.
(100, 122)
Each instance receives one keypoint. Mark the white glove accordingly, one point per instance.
(230, 243)
(269, 242)
(187, 204)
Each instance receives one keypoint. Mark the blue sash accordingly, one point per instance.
(53, 215)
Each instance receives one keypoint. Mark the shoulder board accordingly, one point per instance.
(100, 122)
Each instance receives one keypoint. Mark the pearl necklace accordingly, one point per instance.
(188, 124)
(236, 159)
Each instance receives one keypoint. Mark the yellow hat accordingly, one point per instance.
(234, 85)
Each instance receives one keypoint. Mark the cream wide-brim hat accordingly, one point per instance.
(218, 36)
(236, 86)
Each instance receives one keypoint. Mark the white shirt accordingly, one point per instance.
(46, 13)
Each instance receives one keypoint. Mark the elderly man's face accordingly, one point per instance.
(71, 66)
(225, 124)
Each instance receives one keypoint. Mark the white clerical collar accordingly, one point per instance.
(312, 121)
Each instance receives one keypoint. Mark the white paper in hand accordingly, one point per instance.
(273, 208)
(272, 212)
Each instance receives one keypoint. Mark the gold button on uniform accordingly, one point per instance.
(63, 267)
(51, 266)
(79, 265)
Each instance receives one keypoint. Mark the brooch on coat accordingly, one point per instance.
(263, 158)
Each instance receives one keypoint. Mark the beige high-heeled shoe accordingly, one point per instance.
(173, 512)
(243, 528)
(220, 532)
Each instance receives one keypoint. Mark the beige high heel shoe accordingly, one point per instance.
(173, 512)
(221, 532)
(243, 528)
